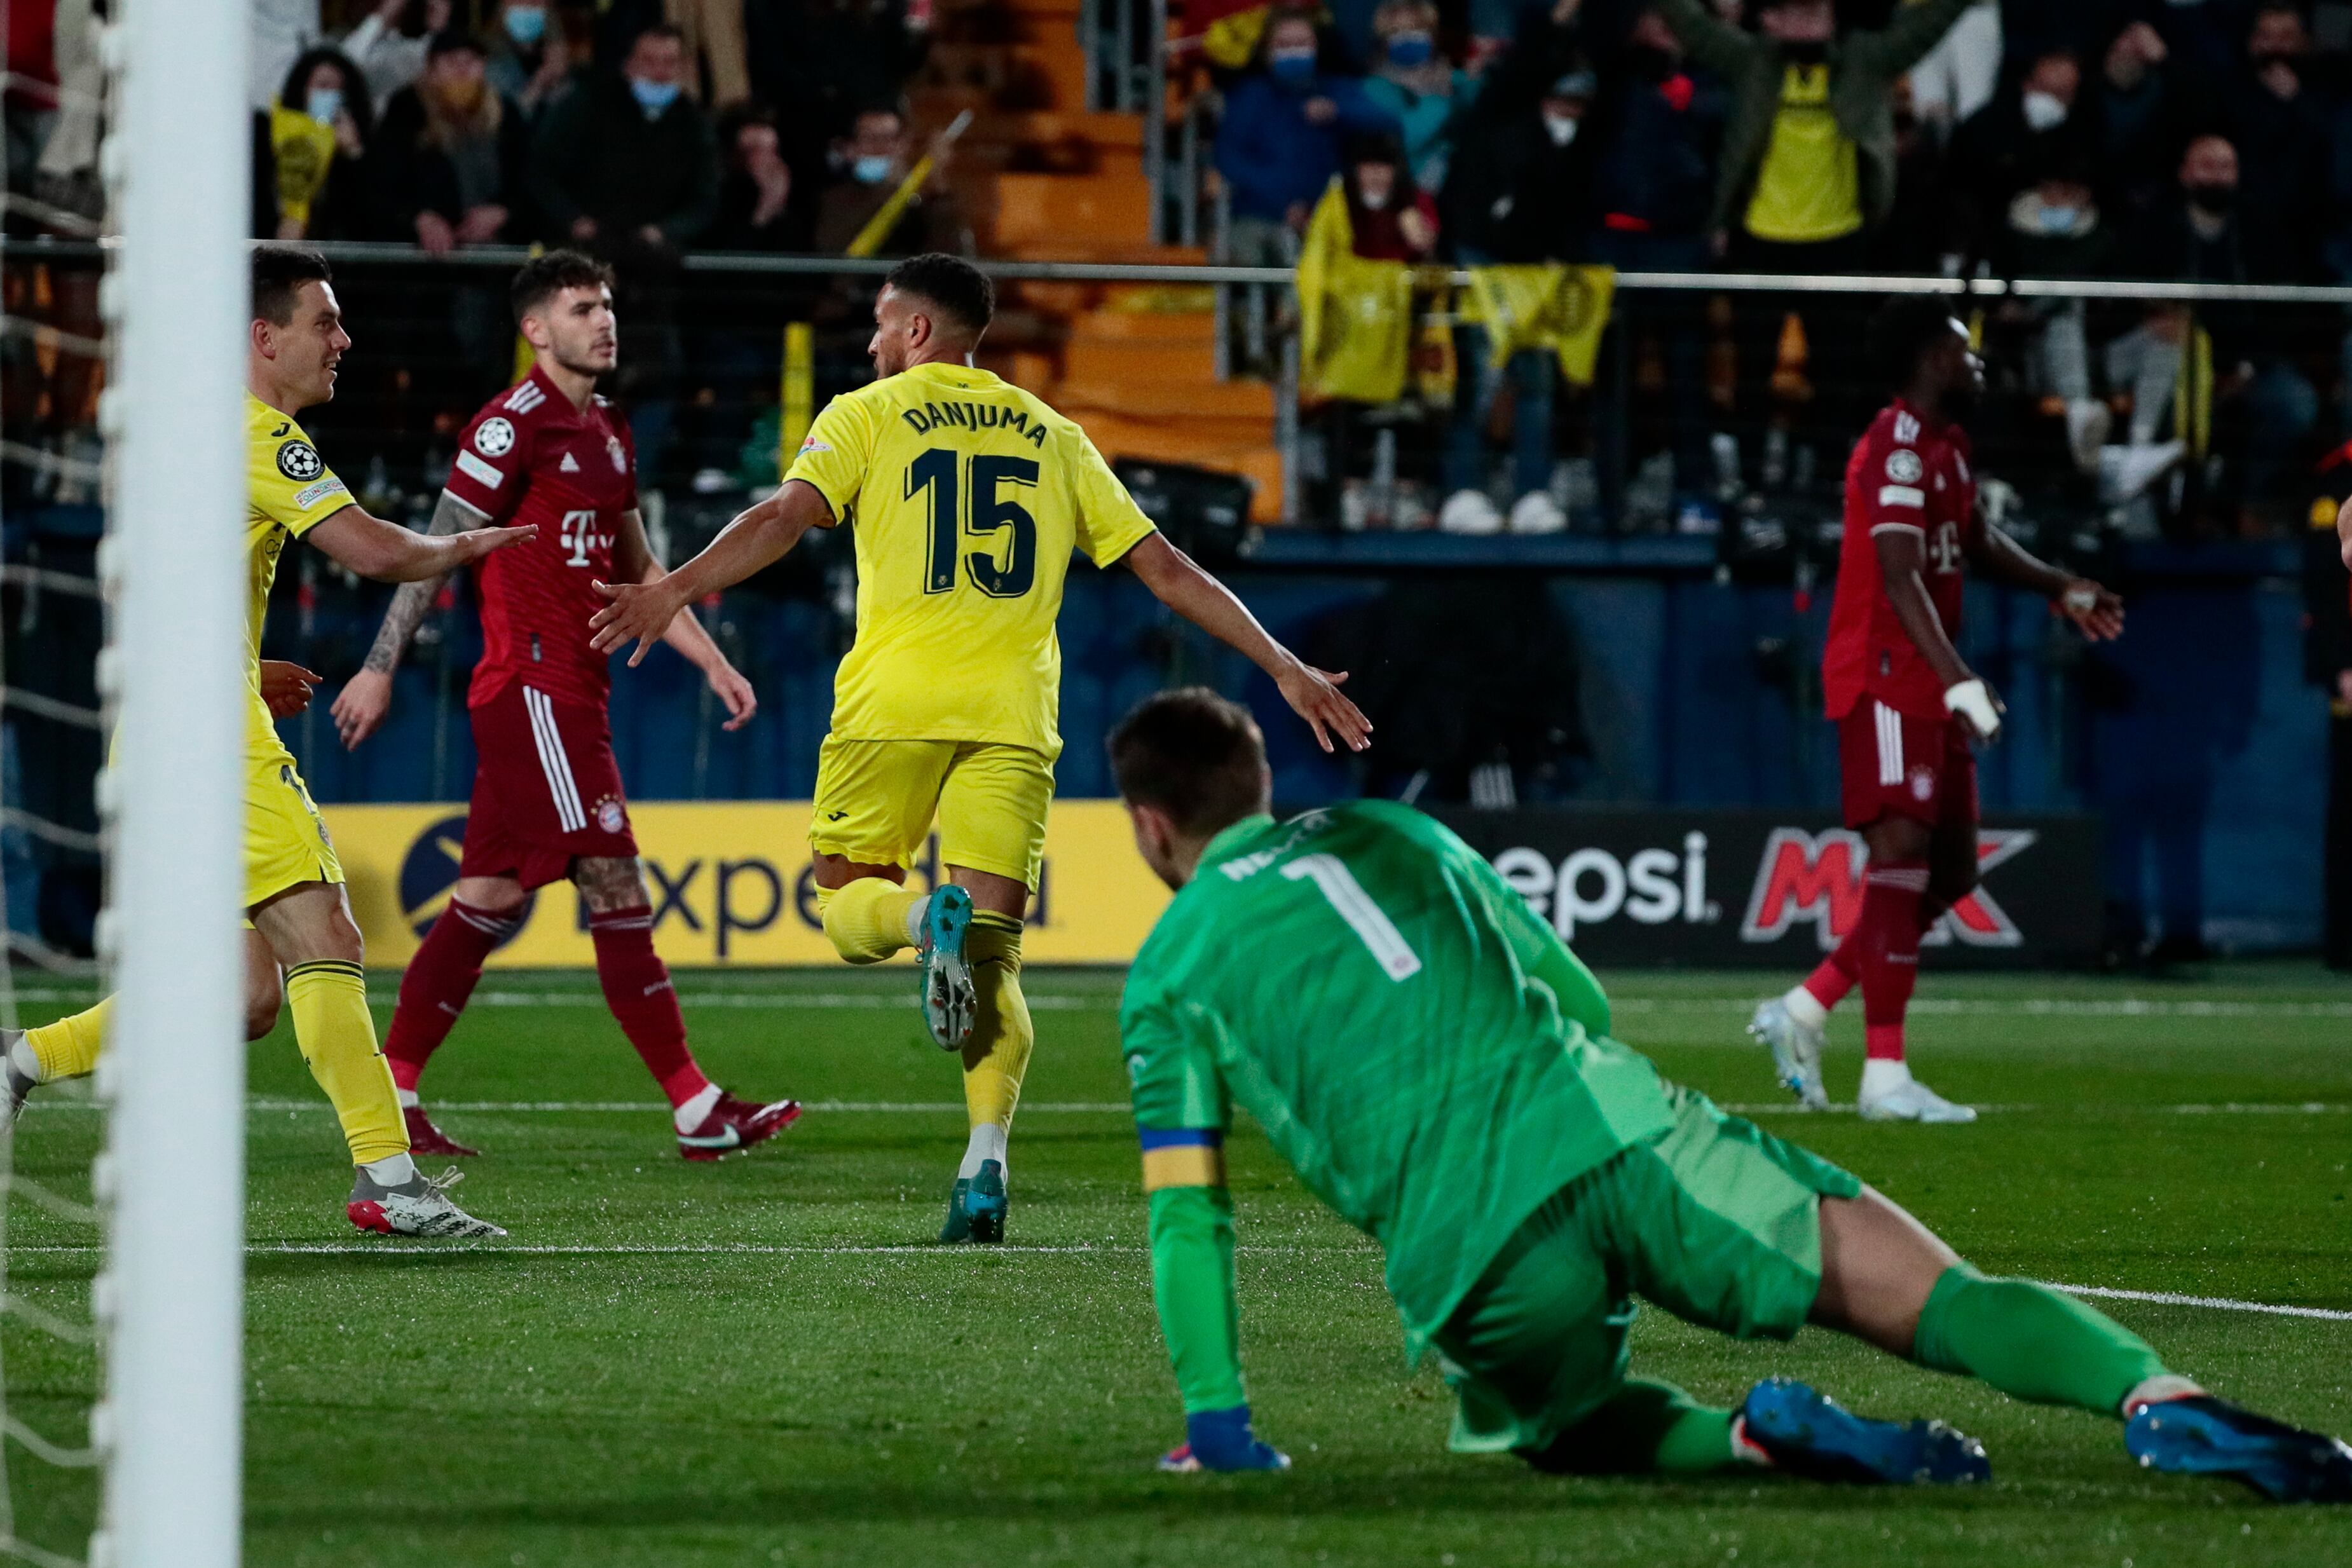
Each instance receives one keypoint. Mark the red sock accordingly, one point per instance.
(637, 989)
(433, 991)
(1888, 934)
(1831, 982)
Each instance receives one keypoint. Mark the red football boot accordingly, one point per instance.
(735, 1125)
(425, 1138)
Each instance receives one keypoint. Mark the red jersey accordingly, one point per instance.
(528, 456)
(1907, 471)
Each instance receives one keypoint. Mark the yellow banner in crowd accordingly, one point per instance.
(730, 884)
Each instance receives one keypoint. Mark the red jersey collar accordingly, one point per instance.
(1927, 421)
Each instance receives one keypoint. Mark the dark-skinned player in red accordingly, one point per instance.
(547, 803)
(1907, 707)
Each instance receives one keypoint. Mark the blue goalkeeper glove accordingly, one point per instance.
(1222, 1440)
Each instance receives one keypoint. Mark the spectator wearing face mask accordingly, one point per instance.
(1414, 81)
(319, 134)
(1521, 193)
(869, 164)
(2052, 227)
(529, 59)
(1392, 217)
(450, 160)
(2281, 110)
(629, 163)
(1279, 142)
(2259, 405)
(2005, 147)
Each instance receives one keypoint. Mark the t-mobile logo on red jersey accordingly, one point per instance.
(578, 536)
(1818, 877)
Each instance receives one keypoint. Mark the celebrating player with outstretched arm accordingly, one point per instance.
(968, 496)
(301, 923)
(547, 801)
(1436, 1067)
(1907, 705)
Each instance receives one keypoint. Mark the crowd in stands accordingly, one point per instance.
(2189, 140)
(2176, 139)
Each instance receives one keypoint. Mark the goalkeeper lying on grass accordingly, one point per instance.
(1436, 1067)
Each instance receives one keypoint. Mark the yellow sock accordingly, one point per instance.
(329, 1000)
(68, 1048)
(997, 1055)
(867, 918)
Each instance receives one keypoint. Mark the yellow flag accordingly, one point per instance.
(1355, 317)
(304, 150)
(1562, 309)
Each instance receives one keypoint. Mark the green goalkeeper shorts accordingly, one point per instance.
(1714, 1220)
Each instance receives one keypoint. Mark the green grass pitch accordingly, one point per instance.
(764, 1362)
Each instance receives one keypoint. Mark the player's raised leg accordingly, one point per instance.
(1886, 1278)
(310, 929)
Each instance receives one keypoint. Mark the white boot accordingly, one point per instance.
(1889, 1093)
(1469, 512)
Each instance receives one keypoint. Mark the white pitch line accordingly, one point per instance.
(920, 1249)
(1104, 1001)
(273, 1107)
(2217, 1304)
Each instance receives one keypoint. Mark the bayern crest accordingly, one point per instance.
(610, 816)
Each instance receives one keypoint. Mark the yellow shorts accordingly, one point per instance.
(286, 842)
(876, 800)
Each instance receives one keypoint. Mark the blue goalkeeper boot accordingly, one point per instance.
(1809, 1434)
(950, 1001)
(2203, 1436)
(977, 1207)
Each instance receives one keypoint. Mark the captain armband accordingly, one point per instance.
(1183, 1156)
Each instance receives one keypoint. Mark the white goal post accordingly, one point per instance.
(170, 1302)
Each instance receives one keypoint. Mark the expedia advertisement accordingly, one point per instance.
(729, 885)
(1745, 888)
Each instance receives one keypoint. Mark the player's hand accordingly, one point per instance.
(285, 688)
(726, 682)
(1222, 1440)
(366, 697)
(2096, 609)
(1977, 706)
(1314, 694)
(475, 543)
(640, 612)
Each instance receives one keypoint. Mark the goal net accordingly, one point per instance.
(122, 286)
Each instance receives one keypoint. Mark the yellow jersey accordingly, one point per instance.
(290, 491)
(966, 497)
(1809, 186)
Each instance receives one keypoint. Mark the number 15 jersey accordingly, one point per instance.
(966, 496)
(528, 456)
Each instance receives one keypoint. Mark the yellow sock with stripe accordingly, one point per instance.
(329, 1000)
(867, 919)
(68, 1048)
(997, 1055)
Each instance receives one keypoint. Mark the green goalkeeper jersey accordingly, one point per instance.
(1364, 985)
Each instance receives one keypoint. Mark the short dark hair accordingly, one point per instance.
(542, 278)
(1907, 326)
(960, 289)
(1194, 755)
(280, 271)
(670, 30)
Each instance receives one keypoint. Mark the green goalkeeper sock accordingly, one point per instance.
(2030, 1343)
(1644, 1429)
